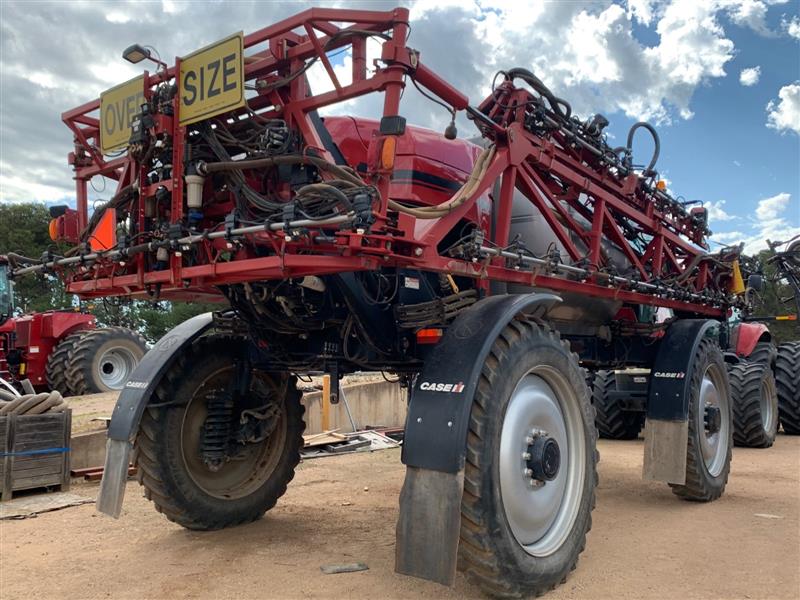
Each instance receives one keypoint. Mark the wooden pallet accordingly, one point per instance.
(34, 452)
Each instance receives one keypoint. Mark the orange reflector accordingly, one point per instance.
(104, 235)
(787, 318)
(387, 152)
(52, 229)
(429, 336)
(22, 368)
(661, 185)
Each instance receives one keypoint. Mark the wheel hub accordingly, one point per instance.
(712, 419)
(541, 460)
(545, 458)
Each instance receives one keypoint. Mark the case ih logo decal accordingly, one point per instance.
(670, 374)
(455, 388)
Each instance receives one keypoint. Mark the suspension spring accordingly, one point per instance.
(217, 430)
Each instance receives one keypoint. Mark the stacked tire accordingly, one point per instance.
(94, 360)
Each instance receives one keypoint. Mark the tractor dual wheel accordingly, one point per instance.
(763, 353)
(709, 447)
(209, 459)
(755, 405)
(787, 380)
(530, 475)
(57, 362)
(102, 360)
(613, 422)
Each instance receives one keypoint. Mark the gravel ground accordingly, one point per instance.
(645, 543)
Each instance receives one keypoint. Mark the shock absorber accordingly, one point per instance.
(217, 430)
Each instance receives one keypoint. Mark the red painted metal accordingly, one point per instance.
(747, 336)
(559, 178)
(33, 338)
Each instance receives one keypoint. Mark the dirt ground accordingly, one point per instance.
(645, 542)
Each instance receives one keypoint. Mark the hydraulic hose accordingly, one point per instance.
(629, 150)
(558, 105)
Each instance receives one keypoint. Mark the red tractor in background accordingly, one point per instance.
(64, 350)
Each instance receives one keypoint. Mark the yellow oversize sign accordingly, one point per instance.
(118, 106)
(212, 80)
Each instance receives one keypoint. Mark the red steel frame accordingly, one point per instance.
(523, 161)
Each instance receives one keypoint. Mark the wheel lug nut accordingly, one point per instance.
(528, 472)
(529, 440)
(526, 456)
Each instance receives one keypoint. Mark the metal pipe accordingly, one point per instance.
(191, 239)
(570, 269)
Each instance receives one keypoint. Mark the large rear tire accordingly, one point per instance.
(183, 487)
(57, 362)
(787, 380)
(612, 421)
(102, 360)
(531, 419)
(763, 353)
(755, 405)
(709, 448)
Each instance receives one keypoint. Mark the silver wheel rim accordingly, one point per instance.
(767, 403)
(115, 367)
(713, 445)
(541, 517)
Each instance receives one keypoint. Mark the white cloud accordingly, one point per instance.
(641, 10)
(749, 77)
(778, 219)
(771, 208)
(750, 13)
(728, 237)
(717, 213)
(784, 115)
(792, 27)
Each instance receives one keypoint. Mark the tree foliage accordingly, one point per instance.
(777, 299)
(23, 229)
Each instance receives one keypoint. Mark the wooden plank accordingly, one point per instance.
(8, 461)
(29, 462)
(36, 471)
(36, 445)
(26, 483)
(52, 438)
(65, 480)
(41, 427)
(27, 423)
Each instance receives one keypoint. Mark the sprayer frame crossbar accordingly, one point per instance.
(549, 171)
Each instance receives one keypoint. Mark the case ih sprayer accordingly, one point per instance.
(493, 278)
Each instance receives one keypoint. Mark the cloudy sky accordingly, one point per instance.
(720, 78)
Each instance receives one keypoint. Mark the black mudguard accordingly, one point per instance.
(666, 428)
(434, 447)
(671, 374)
(131, 404)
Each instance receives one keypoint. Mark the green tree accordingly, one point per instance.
(777, 299)
(24, 230)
